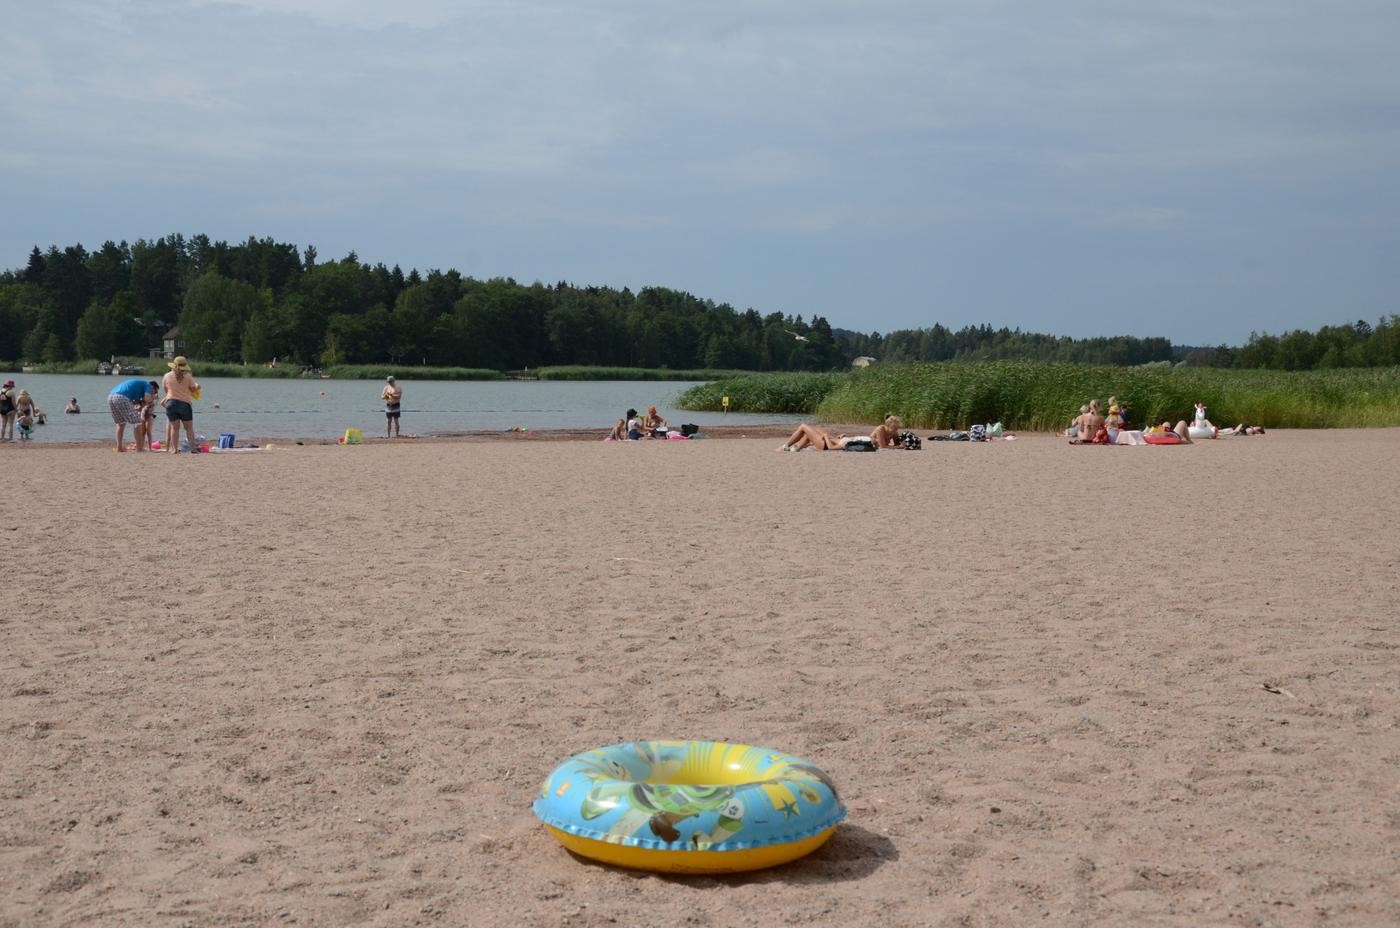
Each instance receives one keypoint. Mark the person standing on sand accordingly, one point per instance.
(127, 403)
(392, 395)
(180, 388)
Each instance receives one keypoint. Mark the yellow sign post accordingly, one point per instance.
(724, 401)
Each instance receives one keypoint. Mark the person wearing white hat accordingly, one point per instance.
(392, 395)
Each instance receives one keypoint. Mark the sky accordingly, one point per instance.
(1194, 170)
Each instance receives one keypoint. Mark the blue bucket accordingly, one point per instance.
(225, 439)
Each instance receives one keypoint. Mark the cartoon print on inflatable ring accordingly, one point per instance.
(640, 781)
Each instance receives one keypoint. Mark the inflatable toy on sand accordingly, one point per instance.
(1201, 427)
(1161, 438)
(689, 806)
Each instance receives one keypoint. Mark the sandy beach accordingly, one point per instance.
(320, 685)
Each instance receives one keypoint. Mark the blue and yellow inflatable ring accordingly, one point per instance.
(689, 806)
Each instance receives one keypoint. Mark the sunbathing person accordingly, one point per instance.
(653, 423)
(1179, 429)
(1242, 429)
(886, 434)
(1088, 423)
(809, 436)
(1073, 430)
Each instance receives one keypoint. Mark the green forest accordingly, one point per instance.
(262, 301)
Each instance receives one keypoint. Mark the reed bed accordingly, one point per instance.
(1036, 396)
(584, 372)
(795, 393)
(406, 372)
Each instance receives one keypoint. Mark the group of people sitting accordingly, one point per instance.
(632, 428)
(1092, 427)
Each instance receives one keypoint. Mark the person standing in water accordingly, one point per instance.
(7, 411)
(392, 395)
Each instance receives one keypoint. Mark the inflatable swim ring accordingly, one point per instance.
(689, 806)
(1161, 438)
(1200, 431)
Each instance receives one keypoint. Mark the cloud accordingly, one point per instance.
(827, 120)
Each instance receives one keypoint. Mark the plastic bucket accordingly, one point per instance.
(225, 439)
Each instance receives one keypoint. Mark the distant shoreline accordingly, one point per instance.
(766, 431)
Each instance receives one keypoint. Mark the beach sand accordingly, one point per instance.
(1057, 685)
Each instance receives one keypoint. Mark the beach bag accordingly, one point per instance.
(688, 429)
(910, 441)
(225, 439)
(977, 433)
(995, 430)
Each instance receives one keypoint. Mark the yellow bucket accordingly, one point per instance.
(353, 436)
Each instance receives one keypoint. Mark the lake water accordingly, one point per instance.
(268, 408)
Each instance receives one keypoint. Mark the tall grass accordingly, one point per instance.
(798, 393)
(583, 372)
(409, 372)
(1038, 396)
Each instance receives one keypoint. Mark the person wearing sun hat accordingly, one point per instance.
(181, 390)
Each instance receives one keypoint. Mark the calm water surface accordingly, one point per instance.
(250, 407)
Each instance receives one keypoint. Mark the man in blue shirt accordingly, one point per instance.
(127, 403)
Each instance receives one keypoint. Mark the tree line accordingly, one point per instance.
(983, 343)
(264, 300)
(261, 301)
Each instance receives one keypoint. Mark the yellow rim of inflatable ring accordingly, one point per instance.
(643, 858)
